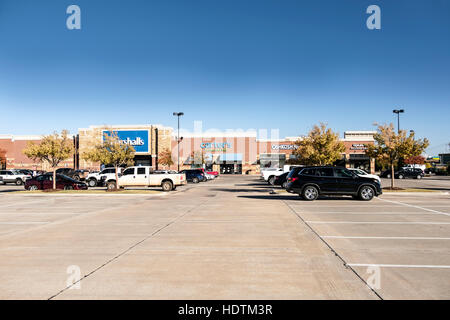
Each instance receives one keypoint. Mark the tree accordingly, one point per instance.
(52, 149)
(198, 158)
(165, 158)
(390, 146)
(320, 147)
(415, 160)
(2, 158)
(111, 151)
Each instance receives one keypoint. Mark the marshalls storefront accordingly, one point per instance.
(228, 152)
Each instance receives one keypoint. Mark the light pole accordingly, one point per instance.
(398, 111)
(178, 115)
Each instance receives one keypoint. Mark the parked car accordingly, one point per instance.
(144, 176)
(24, 171)
(97, 179)
(13, 176)
(281, 180)
(210, 175)
(404, 173)
(362, 173)
(45, 181)
(270, 175)
(310, 182)
(73, 173)
(194, 176)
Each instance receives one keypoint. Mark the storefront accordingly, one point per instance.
(230, 152)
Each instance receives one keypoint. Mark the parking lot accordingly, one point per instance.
(225, 239)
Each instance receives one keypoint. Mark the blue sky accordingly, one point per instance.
(284, 64)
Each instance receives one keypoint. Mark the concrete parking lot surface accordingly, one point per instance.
(225, 239)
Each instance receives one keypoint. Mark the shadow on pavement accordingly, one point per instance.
(296, 197)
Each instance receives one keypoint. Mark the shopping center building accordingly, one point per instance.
(230, 151)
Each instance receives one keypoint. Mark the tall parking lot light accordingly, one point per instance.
(178, 114)
(398, 111)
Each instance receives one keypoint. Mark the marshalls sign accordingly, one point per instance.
(138, 139)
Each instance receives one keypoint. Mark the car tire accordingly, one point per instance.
(388, 176)
(19, 182)
(195, 180)
(284, 185)
(111, 185)
(76, 177)
(419, 177)
(68, 187)
(167, 186)
(33, 188)
(310, 193)
(400, 176)
(92, 183)
(271, 180)
(366, 193)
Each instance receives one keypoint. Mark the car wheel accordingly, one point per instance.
(68, 187)
(92, 183)
(271, 180)
(284, 185)
(167, 186)
(366, 193)
(111, 185)
(195, 180)
(400, 176)
(32, 188)
(76, 177)
(19, 182)
(388, 176)
(310, 193)
(419, 177)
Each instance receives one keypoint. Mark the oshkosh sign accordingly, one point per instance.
(284, 147)
(136, 138)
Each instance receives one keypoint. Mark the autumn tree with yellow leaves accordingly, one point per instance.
(52, 149)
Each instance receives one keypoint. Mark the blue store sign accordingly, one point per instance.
(136, 138)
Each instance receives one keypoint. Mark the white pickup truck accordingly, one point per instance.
(144, 176)
(270, 174)
(95, 179)
(13, 176)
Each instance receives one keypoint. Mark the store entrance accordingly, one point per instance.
(141, 160)
(231, 168)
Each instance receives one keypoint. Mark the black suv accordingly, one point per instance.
(403, 173)
(310, 182)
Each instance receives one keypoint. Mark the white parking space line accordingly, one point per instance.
(376, 222)
(24, 222)
(367, 213)
(386, 238)
(414, 206)
(398, 265)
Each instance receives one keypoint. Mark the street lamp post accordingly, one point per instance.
(398, 111)
(178, 115)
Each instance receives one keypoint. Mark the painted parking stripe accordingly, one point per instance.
(367, 213)
(381, 238)
(24, 222)
(398, 265)
(414, 206)
(376, 222)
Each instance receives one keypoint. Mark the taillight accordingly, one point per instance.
(294, 179)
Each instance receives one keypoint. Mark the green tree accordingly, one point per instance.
(165, 158)
(390, 147)
(52, 149)
(320, 147)
(111, 151)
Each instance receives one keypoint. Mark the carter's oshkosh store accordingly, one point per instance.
(228, 152)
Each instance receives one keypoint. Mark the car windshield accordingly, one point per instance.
(361, 172)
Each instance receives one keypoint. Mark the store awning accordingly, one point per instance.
(230, 157)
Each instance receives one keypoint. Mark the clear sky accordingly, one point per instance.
(284, 64)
